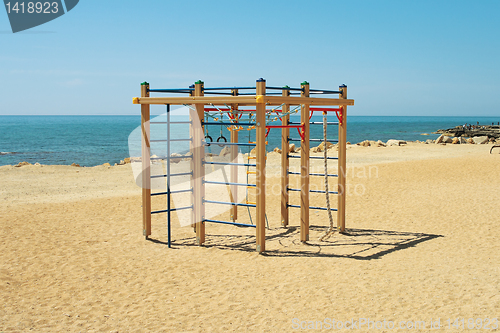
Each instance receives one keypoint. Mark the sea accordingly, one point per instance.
(94, 140)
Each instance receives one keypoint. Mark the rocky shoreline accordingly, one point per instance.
(470, 131)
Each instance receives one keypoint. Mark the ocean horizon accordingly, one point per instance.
(94, 140)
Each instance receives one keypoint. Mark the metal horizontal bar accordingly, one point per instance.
(172, 122)
(312, 191)
(222, 183)
(322, 158)
(283, 126)
(315, 123)
(227, 163)
(315, 157)
(181, 90)
(319, 91)
(312, 174)
(323, 208)
(285, 88)
(173, 175)
(321, 140)
(171, 210)
(321, 123)
(229, 203)
(172, 192)
(326, 109)
(171, 157)
(226, 123)
(312, 207)
(231, 144)
(217, 93)
(243, 100)
(228, 88)
(314, 140)
(231, 223)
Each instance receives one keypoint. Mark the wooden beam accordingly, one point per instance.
(261, 169)
(295, 100)
(342, 164)
(146, 163)
(234, 159)
(304, 167)
(244, 100)
(199, 169)
(285, 162)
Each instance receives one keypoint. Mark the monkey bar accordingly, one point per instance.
(258, 98)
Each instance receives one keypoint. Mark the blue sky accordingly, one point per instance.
(396, 57)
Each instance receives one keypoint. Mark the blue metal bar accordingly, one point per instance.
(182, 90)
(231, 144)
(228, 88)
(169, 140)
(170, 210)
(312, 174)
(314, 140)
(173, 175)
(312, 191)
(322, 175)
(312, 207)
(172, 122)
(285, 88)
(171, 157)
(293, 206)
(226, 123)
(227, 163)
(222, 183)
(315, 157)
(319, 91)
(217, 93)
(172, 192)
(229, 203)
(314, 123)
(322, 208)
(231, 223)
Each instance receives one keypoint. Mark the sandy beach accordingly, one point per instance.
(422, 245)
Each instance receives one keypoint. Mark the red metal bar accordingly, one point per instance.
(326, 109)
(218, 110)
(283, 126)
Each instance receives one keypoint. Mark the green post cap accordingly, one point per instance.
(199, 82)
(305, 83)
(145, 83)
(286, 87)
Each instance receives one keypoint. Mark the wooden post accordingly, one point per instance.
(304, 167)
(146, 163)
(285, 161)
(198, 168)
(261, 166)
(234, 159)
(342, 162)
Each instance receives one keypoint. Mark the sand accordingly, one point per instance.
(422, 244)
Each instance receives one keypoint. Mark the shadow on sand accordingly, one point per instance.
(358, 244)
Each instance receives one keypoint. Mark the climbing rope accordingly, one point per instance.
(331, 229)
